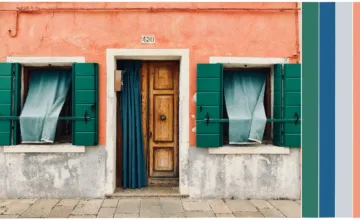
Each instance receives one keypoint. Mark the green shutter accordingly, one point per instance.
(278, 114)
(85, 102)
(17, 102)
(209, 102)
(292, 104)
(6, 72)
(10, 86)
(287, 104)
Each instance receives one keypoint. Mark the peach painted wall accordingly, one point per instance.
(206, 33)
(356, 109)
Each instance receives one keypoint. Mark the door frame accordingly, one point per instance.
(181, 55)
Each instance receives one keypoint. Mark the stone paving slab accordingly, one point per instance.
(241, 206)
(2, 210)
(106, 212)
(128, 206)
(68, 202)
(82, 216)
(7, 202)
(225, 215)
(126, 216)
(261, 204)
(171, 205)
(248, 214)
(196, 206)
(27, 201)
(150, 214)
(60, 212)
(111, 203)
(88, 207)
(16, 208)
(219, 207)
(148, 208)
(272, 213)
(173, 215)
(289, 208)
(40, 209)
(194, 214)
(151, 207)
(9, 216)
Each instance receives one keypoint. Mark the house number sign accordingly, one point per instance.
(147, 39)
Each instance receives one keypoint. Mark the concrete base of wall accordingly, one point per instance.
(82, 175)
(53, 175)
(243, 176)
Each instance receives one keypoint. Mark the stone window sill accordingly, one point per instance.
(257, 149)
(44, 148)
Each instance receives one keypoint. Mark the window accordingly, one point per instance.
(267, 136)
(212, 118)
(63, 133)
(23, 91)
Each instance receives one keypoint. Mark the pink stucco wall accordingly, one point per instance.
(240, 33)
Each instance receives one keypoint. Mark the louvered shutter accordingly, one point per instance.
(209, 104)
(287, 105)
(85, 103)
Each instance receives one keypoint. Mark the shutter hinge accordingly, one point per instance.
(207, 117)
(296, 118)
(86, 117)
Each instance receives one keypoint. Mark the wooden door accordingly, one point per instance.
(162, 128)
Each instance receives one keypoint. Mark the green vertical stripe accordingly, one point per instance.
(310, 84)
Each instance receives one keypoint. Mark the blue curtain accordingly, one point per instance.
(133, 155)
(45, 99)
(244, 100)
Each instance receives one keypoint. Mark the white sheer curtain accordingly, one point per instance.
(244, 99)
(45, 99)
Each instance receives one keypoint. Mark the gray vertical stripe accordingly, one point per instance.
(343, 109)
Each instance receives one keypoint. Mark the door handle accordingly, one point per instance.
(150, 134)
(162, 117)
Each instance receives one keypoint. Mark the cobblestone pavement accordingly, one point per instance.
(146, 208)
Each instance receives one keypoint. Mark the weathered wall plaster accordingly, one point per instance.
(243, 176)
(82, 175)
(205, 34)
(53, 175)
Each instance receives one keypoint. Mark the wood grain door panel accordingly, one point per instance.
(163, 118)
(162, 110)
(163, 78)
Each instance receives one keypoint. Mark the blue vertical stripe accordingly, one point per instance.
(327, 110)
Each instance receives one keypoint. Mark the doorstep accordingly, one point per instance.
(147, 192)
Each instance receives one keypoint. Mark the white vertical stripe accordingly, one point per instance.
(343, 109)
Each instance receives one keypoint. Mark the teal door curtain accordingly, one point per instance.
(133, 155)
(244, 100)
(45, 99)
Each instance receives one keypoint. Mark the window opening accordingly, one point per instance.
(64, 127)
(267, 137)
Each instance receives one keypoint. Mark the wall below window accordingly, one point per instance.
(82, 175)
(53, 175)
(243, 176)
